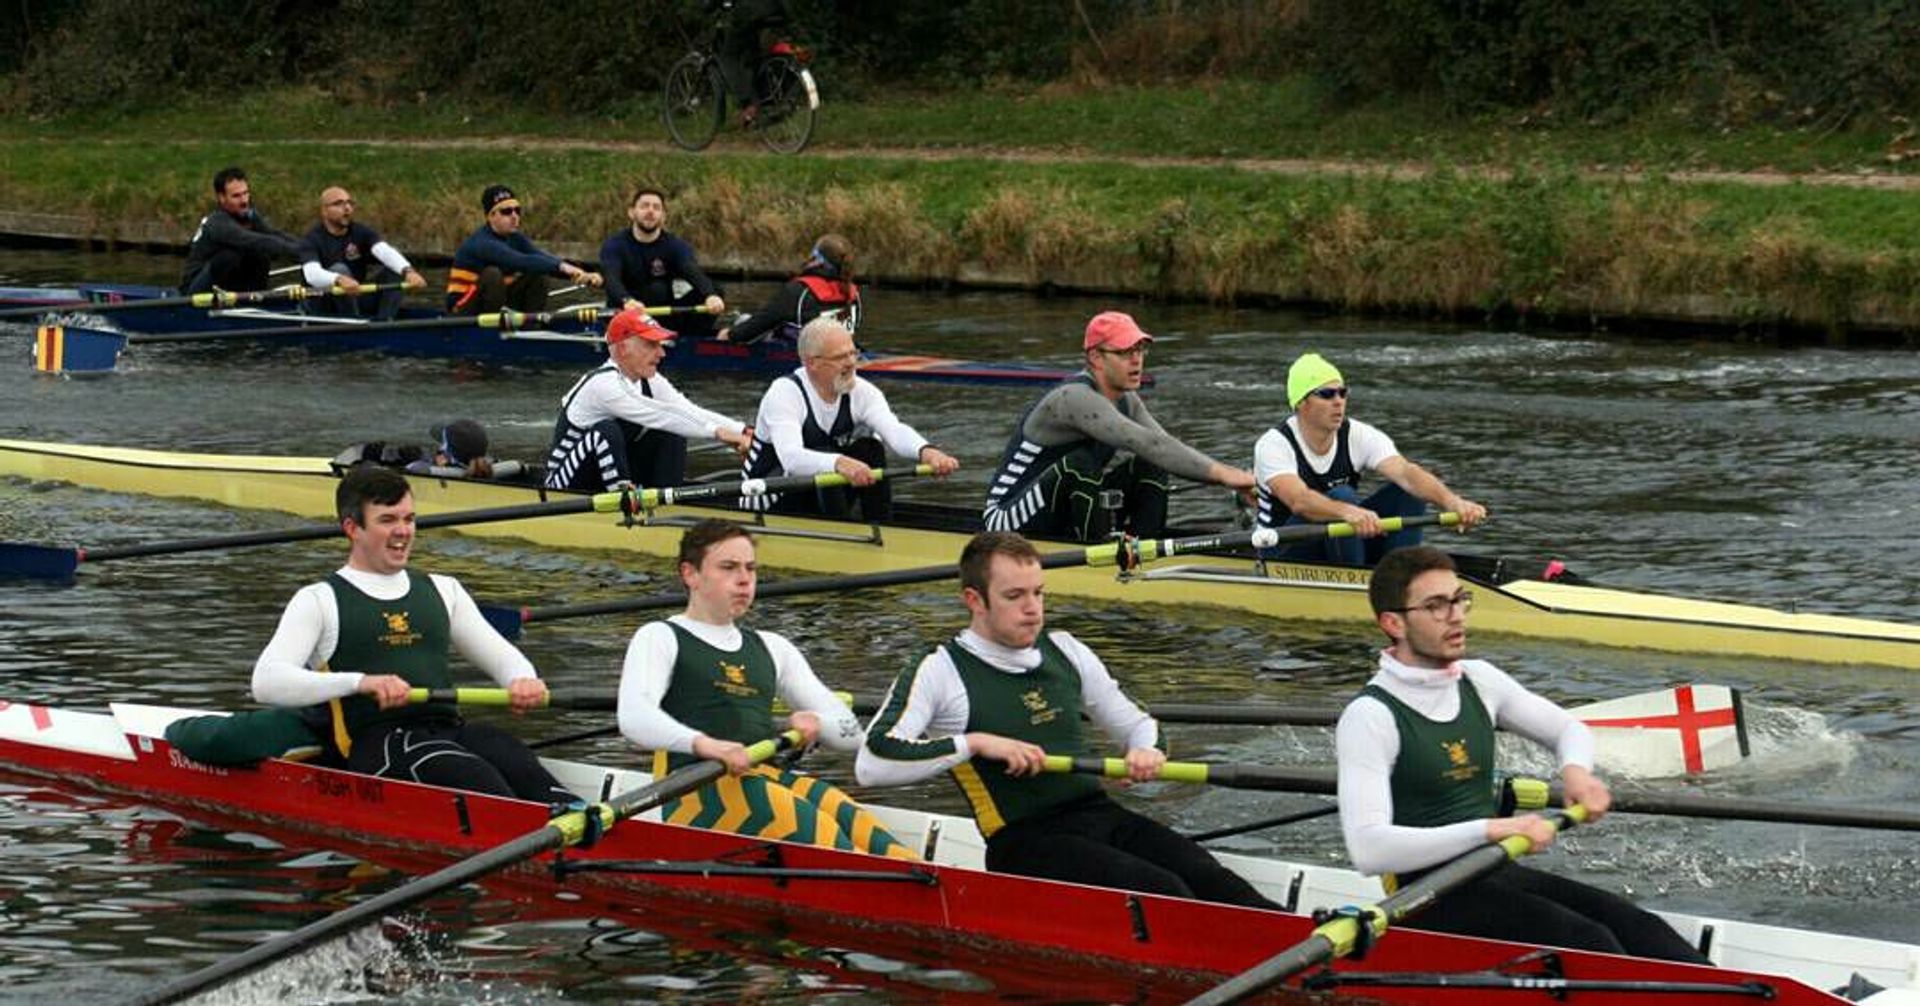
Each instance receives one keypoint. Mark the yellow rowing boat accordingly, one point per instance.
(1571, 612)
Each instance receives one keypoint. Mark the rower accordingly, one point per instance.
(824, 417)
(624, 423)
(646, 263)
(1087, 459)
(342, 252)
(459, 449)
(990, 704)
(1417, 785)
(498, 267)
(360, 640)
(234, 246)
(701, 685)
(1309, 470)
(824, 287)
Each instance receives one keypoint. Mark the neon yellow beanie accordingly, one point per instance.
(1308, 372)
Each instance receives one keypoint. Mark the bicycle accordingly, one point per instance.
(786, 97)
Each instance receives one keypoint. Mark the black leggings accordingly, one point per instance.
(470, 756)
(1099, 842)
(1531, 906)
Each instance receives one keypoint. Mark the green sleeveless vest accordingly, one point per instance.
(1041, 707)
(726, 695)
(1444, 774)
(409, 637)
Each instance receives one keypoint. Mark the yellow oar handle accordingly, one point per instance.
(1389, 525)
(564, 698)
(1116, 768)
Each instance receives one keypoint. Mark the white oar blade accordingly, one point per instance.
(1680, 731)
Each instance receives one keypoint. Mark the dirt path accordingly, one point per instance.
(1404, 170)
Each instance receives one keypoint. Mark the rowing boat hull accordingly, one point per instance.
(570, 345)
(954, 903)
(1293, 591)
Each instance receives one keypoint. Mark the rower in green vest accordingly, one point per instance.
(700, 685)
(992, 703)
(1417, 785)
(361, 640)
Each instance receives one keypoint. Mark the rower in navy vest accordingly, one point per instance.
(1417, 785)
(1309, 470)
(647, 264)
(342, 252)
(989, 706)
(1090, 442)
(358, 641)
(824, 287)
(498, 267)
(701, 685)
(624, 423)
(824, 417)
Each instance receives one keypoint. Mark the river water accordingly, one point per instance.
(1690, 466)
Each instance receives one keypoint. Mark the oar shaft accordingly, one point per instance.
(600, 502)
(1338, 936)
(210, 299)
(505, 321)
(563, 830)
(748, 488)
(1740, 809)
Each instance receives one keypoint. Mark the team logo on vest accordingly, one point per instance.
(1036, 703)
(733, 681)
(1461, 762)
(399, 630)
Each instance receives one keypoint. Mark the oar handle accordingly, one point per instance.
(1129, 553)
(600, 699)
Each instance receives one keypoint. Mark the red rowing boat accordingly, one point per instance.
(949, 901)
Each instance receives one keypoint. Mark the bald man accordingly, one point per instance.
(340, 252)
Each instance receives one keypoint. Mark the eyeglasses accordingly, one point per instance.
(1328, 394)
(508, 211)
(1441, 607)
(846, 356)
(1134, 353)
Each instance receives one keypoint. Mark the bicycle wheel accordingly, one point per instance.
(788, 104)
(696, 102)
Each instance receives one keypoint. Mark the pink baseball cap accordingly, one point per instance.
(1113, 330)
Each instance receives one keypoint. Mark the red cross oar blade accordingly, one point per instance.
(1690, 729)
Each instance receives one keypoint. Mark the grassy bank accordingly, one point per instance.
(1549, 239)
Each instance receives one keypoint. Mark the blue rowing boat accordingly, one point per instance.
(76, 342)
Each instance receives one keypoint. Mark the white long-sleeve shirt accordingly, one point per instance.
(607, 394)
(288, 674)
(937, 709)
(320, 277)
(1367, 742)
(783, 411)
(648, 671)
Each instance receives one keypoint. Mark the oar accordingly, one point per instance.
(567, 829)
(1321, 780)
(1125, 554)
(505, 321)
(1339, 936)
(212, 299)
(51, 562)
(598, 699)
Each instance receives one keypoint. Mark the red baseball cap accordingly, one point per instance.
(634, 323)
(1113, 330)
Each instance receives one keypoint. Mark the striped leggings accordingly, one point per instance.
(767, 802)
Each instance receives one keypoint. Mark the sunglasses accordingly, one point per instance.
(1328, 394)
(511, 211)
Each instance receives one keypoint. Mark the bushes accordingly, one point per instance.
(1793, 62)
